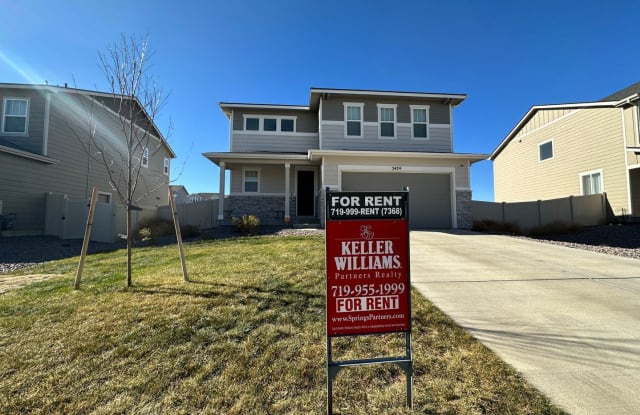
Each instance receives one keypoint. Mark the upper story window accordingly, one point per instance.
(591, 183)
(545, 150)
(270, 124)
(15, 116)
(145, 157)
(353, 119)
(251, 180)
(166, 164)
(387, 120)
(252, 124)
(285, 124)
(419, 121)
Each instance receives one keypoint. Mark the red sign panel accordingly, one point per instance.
(367, 276)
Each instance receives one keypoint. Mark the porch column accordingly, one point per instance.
(287, 191)
(221, 194)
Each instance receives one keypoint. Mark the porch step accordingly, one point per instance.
(307, 225)
(306, 222)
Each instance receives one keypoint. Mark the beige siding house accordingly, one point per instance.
(574, 149)
(283, 157)
(48, 163)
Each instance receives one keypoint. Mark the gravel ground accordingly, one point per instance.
(20, 252)
(615, 239)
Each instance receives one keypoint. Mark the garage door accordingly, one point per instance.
(429, 194)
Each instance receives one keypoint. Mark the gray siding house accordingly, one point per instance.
(282, 157)
(48, 163)
(582, 148)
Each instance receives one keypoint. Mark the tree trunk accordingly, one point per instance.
(129, 243)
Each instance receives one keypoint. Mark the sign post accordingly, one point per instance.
(368, 284)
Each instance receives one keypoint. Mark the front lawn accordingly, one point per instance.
(246, 336)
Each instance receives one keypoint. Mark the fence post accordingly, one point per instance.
(571, 210)
(539, 213)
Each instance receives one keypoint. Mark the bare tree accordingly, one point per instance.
(136, 100)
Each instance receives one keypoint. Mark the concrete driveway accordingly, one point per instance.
(568, 319)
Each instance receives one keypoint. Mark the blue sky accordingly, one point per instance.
(506, 55)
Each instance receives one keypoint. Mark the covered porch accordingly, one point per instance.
(279, 189)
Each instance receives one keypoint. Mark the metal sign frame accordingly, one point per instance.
(341, 214)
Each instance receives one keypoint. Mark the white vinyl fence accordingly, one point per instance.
(576, 210)
(202, 215)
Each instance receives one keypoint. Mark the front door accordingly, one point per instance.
(306, 193)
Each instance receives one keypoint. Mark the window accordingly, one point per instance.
(251, 181)
(387, 120)
(166, 167)
(545, 151)
(14, 117)
(104, 197)
(252, 124)
(145, 157)
(273, 124)
(419, 121)
(353, 118)
(591, 183)
(286, 125)
(270, 124)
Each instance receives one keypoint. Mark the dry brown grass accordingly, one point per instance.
(246, 337)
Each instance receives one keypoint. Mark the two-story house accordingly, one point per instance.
(283, 157)
(47, 159)
(581, 148)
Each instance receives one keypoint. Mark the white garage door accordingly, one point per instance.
(429, 194)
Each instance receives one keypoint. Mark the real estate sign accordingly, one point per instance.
(367, 254)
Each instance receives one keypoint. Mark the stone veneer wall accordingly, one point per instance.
(269, 209)
(464, 213)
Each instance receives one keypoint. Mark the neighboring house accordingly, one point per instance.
(283, 157)
(180, 194)
(47, 160)
(201, 197)
(574, 149)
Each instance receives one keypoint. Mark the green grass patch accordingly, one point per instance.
(246, 336)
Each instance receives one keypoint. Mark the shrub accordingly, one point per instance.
(247, 225)
(152, 229)
(490, 226)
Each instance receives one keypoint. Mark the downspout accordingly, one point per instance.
(626, 163)
(45, 132)
(320, 124)
(451, 127)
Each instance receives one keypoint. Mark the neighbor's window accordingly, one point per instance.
(251, 181)
(545, 151)
(287, 125)
(419, 121)
(104, 197)
(166, 166)
(14, 117)
(145, 157)
(387, 120)
(270, 124)
(252, 124)
(591, 183)
(353, 117)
